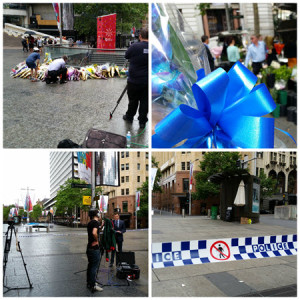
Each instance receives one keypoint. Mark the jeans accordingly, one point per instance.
(94, 257)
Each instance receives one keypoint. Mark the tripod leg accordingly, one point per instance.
(6, 249)
(20, 250)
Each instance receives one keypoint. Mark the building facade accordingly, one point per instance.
(134, 167)
(175, 168)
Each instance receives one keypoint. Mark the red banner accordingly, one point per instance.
(106, 31)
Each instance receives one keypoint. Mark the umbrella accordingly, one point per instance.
(240, 195)
(29, 32)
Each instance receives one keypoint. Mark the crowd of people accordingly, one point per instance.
(260, 51)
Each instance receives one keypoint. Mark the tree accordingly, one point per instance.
(214, 162)
(6, 210)
(143, 212)
(267, 186)
(128, 15)
(36, 213)
(68, 198)
(203, 7)
(156, 186)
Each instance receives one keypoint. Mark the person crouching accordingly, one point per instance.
(57, 68)
(32, 62)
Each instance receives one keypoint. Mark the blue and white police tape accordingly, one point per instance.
(230, 249)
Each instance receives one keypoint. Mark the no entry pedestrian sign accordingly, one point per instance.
(174, 254)
(220, 251)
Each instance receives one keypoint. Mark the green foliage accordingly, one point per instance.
(36, 213)
(214, 162)
(283, 72)
(156, 186)
(128, 15)
(267, 186)
(67, 197)
(202, 7)
(143, 212)
(6, 210)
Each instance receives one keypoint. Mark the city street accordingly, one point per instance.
(38, 115)
(272, 276)
(56, 263)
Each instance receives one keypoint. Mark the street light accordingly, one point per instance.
(190, 186)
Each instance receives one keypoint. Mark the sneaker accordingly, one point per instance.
(97, 288)
(127, 119)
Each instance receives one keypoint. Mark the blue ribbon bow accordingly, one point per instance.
(229, 114)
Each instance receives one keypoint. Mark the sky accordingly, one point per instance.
(22, 169)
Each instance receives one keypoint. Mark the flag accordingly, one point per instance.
(138, 200)
(51, 210)
(56, 10)
(30, 208)
(153, 175)
(103, 204)
(191, 175)
(85, 166)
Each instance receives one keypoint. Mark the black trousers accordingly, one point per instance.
(256, 67)
(62, 72)
(113, 253)
(138, 98)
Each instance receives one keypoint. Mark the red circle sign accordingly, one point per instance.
(218, 251)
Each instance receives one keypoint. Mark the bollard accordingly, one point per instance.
(26, 228)
(183, 213)
(30, 229)
(38, 228)
(208, 213)
(160, 212)
(17, 229)
(48, 228)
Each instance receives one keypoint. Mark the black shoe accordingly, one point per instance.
(63, 81)
(111, 265)
(48, 80)
(127, 119)
(142, 125)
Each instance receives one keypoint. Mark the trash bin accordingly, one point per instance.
(214, 212)
(282, 95)
(229, 214)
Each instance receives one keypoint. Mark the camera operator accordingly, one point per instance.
(93, 249)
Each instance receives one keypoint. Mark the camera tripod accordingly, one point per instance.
(11, 228)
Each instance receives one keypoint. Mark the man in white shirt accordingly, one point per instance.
(56, 68)
(257, 53)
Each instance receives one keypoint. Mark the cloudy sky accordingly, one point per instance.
(22, 169)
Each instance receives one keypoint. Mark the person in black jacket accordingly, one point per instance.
(120, 229)
(137, 82)
(93, 250)
(205, 41)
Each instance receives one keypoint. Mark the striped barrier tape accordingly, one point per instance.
(174, 254)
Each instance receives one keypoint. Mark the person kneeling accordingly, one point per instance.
(57, 68)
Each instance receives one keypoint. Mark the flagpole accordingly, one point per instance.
(60, 23)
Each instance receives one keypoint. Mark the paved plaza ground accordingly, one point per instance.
(56, 264)
(274, 276)
(38, 115)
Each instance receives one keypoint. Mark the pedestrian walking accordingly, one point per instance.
(137, 82)
(233, 53)
(32, 62)
(24, 44)
(93, 250)
(257, 53)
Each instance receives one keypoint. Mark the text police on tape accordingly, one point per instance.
(270, 247)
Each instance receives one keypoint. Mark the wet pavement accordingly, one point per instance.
(56, 264)
(38, 115)
(262, 277)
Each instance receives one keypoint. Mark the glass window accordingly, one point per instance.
(188, 165)
(185, 182)
(127, 178)
(147, 167)
(127, 167)
(122, 154)
(127, 191)
(138, 179)
(147, 154)
(138, 166)
(127, 154)
(138, 154)
(122, 167)
(125, 206)
(147, 178)
(122, 179)
(122, 192)
(183, 166)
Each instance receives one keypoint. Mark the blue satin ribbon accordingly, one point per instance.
(229, 114)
